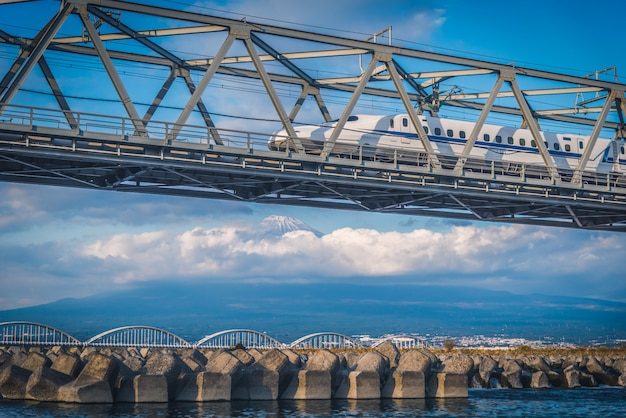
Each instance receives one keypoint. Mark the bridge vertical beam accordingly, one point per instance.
(595, 133)
(271, 91)
(479, 123)
(27, 59)
(330, 143)
(111, 71)
(530, 120)
(202, 85)
(421, 133)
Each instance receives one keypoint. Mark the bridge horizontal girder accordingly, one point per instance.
(256, 175)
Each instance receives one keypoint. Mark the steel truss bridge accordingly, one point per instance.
(34, 334)
(70, 142)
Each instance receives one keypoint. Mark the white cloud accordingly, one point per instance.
(469, 254)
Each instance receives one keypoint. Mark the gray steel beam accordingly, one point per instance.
(58, 94)
(421, 133)
(206, 116)
(26, 61)
(111, 71)
(330, 143)
(348, 43)
(556, 115)
(595, 133)
(142, 39)
(530, 120)
(160, 96)
(281, 59)
(467, 149)
(269, 88)
(202, 85)
(47, 72)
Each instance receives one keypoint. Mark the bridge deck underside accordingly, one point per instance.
(262, 176)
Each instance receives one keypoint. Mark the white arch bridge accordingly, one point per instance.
(30, 333)
(83, 139)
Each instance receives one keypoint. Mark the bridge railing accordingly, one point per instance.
(82, 124)
(33, 334)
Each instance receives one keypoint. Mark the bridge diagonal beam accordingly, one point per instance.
(29, 57)
(156, 102)
(559, 115)
(166, 54)
(308, 90)
(595, 133)
(466, 207)
(202, 85)
(471, 141)
(58, 94)
(344, 196)
(532, 125)
(202, 183)
(365, 77)
(574, 216)
(421, 133)
(202, 108)
(271, 91)
(282, 59)
(111, 71)
(409, 78)
(47, 72)
(143, 39)
(45, 170)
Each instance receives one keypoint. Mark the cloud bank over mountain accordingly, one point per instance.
(282, 249)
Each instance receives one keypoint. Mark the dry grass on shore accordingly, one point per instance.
(523, 350)
(526, 350)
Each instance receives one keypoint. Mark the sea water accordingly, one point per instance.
(596, 402)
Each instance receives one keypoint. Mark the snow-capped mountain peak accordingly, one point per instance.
(277, 226)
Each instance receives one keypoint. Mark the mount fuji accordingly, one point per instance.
(275, 226)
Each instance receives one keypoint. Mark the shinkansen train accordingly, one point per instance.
(394, 136)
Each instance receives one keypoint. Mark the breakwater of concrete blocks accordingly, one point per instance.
(106, 375)
(102, 375)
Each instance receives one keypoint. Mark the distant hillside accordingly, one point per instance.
(290, 311)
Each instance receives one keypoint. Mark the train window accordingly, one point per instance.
(498, 139)
(546, 145)
(437, 131)
(622, 150)
(533, 143)
(486, 137)
(391, 123)
(353, 118)
(405, 122)
(568, 147)
(510, 140)
(426, 129)
(522, 142)
(580, 144)
(567, 138)
(557, 147)
(462, 134)
(450, 133)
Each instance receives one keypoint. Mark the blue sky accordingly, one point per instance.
(58, 243)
